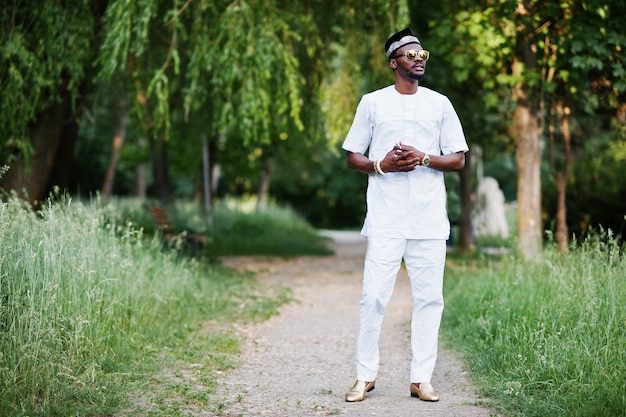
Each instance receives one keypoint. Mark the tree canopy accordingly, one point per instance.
(273, 86)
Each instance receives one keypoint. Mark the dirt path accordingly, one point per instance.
(300, 363)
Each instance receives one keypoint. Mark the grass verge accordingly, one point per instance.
(543, 338)
(94, 316)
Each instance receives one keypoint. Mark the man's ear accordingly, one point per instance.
(393, 64)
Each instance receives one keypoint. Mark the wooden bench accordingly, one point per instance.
(170, 235)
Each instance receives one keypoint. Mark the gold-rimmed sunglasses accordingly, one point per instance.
(412, 54)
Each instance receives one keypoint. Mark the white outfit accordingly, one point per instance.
(406, 218)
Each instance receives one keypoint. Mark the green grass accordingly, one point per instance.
(237, 228)
(277, 232)
(543, 338)
(97, 318)
(94, 314)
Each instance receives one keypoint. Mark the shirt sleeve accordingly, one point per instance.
(360, 133)
(452, 138)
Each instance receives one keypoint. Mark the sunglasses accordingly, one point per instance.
(412, 55)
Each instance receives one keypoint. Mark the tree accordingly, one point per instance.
(529, 53)
(145, 44)
(583, 75)
(118, 141)
(45, 55)
(573, 57)
(273, 84)
(469, 64)
(526, 130)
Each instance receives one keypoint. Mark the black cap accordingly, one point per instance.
(398, 40)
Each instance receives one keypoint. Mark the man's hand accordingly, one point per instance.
(402, 158)
(405, 158)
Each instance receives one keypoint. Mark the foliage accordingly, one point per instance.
(231, 63)
(44, 50)
(318, 185)
(356, 62)
(596, 187)
(254, 79)
(545, 337)
(242, 82)
(574, 61)
(278, 81)
(471, 51)
(80, 292)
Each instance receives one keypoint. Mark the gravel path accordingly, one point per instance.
(300, 363)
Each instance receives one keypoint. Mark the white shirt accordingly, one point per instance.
(409, 205)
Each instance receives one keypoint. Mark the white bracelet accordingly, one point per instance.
(378, 169)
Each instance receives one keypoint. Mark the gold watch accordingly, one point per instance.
(426, 160)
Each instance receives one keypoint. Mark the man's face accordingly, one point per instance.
(411, 68)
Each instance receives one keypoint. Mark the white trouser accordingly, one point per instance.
(424, 260)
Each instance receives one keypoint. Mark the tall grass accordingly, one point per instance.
(83, 298)
(544, 338)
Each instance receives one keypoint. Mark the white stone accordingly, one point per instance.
(488, 215)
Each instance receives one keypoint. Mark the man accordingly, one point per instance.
(412, 135)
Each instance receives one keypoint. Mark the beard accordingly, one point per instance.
(418, 77)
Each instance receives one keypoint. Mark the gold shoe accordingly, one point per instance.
(424, 391)
(358, 390)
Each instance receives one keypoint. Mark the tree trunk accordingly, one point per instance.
(160, 168)
(141, 183)
(206, 182)
(528, 158)
(32, 180)
(527, 138)
(116, 147)
(62, 167)
(466, 234)
(264, 184)
(216, 170)
(562, 231)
